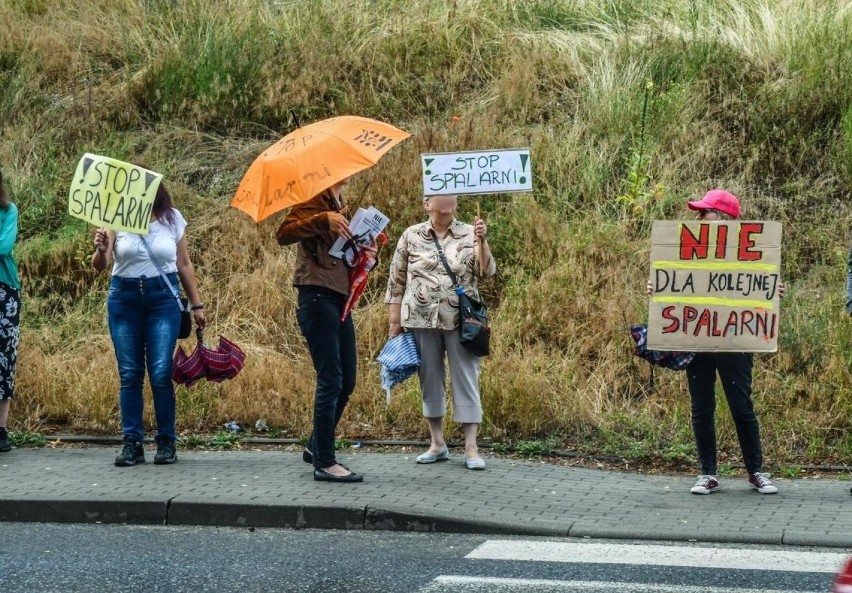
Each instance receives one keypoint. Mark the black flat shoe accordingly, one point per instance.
(308, 458)
(321, 475)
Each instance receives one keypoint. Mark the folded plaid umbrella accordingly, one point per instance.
(214, 364)
(399, 360)
(224, 361)
(671, 360)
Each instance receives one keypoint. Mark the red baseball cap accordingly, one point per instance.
(718, 199)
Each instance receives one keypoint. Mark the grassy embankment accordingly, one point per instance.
(630, 107)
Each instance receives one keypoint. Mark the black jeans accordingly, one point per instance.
(734, 370)
(332, 347)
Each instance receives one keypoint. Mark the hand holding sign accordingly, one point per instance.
(101, 240)
(113, 194)
(479, 229)
(338, 225)
(361, 231)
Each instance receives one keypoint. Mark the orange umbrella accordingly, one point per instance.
(310, 160)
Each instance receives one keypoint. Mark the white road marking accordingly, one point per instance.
(766, 558)
(464, 583)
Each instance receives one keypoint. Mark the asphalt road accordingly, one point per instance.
(42, 558)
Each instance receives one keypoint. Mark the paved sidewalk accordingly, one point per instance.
(276, 489)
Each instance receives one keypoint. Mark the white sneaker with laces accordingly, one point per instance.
(705, 485)
(761, 482)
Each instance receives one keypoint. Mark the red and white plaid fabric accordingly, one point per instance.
(214, 364)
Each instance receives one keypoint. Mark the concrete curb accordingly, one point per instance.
(233, 513)
(40, 510)
(397, 519)
(240, 514)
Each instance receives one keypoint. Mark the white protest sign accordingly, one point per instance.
(477, 172)
(113, 194)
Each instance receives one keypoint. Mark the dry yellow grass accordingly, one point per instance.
(752, 95)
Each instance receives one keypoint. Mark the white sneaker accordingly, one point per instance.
(705, 485)
(761, 482)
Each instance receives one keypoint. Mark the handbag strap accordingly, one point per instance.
(162, 273)
(443, 258)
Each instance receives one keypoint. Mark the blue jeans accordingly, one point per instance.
(332, 347)
(144, 321)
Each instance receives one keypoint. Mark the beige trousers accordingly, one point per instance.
(433, 345)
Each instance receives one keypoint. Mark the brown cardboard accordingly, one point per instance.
(715, 286)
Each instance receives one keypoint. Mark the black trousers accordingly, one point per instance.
(734, 369)
(332, 346)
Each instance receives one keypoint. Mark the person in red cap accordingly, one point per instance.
(734, 370)
(717, 204)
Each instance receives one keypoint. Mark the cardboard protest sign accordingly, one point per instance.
(113, 194)
(715, 286)
(485, 172)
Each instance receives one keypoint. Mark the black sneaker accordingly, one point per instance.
(5, 447)
(166, 452)
(131, 454)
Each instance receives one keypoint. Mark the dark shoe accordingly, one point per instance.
(308, 458)
(166, 452)
(320, 475)
(5, 447)
(131, 454)
(761, 482)
(705, 485)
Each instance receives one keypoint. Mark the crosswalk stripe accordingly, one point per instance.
(467, 583)
(660, 555)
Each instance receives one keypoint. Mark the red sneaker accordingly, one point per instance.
(705, 485)
(762, 483)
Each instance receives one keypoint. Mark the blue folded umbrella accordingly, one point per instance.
(399, 360)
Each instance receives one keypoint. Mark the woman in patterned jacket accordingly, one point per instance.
(423, 301)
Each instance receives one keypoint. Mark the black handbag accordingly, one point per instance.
(473, 315)
(185, 319)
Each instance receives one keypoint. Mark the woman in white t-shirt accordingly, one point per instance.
(144, 321)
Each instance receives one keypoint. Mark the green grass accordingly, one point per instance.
(791, 472)
(224, 440)
(26, 439)
(725, 470)
(536, 447)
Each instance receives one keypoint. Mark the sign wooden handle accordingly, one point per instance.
(479, 245)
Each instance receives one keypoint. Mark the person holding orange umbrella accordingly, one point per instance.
(306, 171)
(323, 285)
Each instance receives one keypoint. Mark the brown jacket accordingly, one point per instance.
(307, 225)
